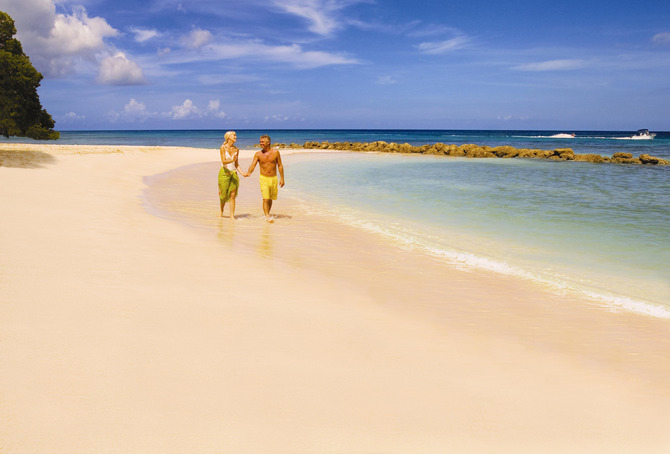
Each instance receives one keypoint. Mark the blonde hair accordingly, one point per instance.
(227, 135)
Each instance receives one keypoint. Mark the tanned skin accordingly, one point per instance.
(270, 163)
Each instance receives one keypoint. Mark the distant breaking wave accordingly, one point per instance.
(573, 136)
(563, 135)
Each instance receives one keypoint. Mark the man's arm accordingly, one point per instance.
(280, 167)
(253, 165)
(237, 165)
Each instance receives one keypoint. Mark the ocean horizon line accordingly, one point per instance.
(360, 129)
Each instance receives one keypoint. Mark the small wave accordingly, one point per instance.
(472, 261)
(629, 304)
(554, 136)
(469, 262)
(569, 136)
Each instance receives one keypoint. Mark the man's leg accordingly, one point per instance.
(267, 206)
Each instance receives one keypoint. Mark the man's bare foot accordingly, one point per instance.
(269, 219)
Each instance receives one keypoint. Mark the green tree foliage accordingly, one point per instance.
(21, 113)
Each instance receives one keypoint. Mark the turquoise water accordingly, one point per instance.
(599, 142)
(601, 230)
(598, 229)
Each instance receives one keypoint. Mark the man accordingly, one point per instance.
(270, 161)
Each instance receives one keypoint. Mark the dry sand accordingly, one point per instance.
(124, 331)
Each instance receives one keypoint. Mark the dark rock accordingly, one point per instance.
(652, 160)
(505, 151)
(565, 154)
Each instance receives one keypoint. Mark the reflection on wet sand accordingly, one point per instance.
(226, 232)
(264, 248)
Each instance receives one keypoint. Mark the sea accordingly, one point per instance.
(600, 230)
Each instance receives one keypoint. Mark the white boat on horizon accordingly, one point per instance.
(643, 134)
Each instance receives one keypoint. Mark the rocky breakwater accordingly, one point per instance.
(476, 151)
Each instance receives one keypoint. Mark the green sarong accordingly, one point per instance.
(228, 183)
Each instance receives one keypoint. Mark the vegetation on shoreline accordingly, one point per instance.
(21, 113)
(477, 151)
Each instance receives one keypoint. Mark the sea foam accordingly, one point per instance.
(409, 240)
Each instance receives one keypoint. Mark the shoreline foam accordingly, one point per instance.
(471, 261)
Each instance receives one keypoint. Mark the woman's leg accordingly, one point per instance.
(221, 203)
(232, 205)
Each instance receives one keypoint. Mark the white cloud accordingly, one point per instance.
(57, 42)
(552, 65)
(386, 80)
(214, 107)
(441, 47)
(142, 35)
(119, 70)
(197, 38)
(421, 30)
(73, 116)
(292, 54)
(662, 38)
(323, 16)
(318, 13)
(135, 111)
(185, 111)
(275, 118)
(32, 17)
(135, 108)
(79, 33)
(256, 50)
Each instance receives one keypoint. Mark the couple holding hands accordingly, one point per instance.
(269, 160)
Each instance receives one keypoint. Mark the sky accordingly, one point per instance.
(349, 64)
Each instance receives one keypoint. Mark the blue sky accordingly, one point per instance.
(224, 64)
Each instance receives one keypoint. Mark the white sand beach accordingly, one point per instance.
(133, 319)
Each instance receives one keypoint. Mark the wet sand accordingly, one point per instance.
(133, 319)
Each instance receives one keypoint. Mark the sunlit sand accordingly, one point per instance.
(134, 319)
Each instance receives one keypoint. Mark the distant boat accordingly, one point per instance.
(563, 136)
(643, 134)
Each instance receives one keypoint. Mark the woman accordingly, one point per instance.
(229, 182)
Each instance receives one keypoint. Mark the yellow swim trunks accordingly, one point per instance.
(269, 187)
